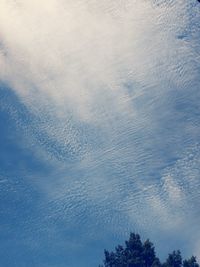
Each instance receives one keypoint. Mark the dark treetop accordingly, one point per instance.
(136, 253)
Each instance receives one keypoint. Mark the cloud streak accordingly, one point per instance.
(111, 91)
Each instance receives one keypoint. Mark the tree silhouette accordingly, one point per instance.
(174, 259)
(190, 262)
(136, 253)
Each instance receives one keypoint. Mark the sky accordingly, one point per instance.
(100, 128)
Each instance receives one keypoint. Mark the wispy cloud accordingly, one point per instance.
(112, 91)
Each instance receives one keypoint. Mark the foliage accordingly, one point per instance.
(136, 253)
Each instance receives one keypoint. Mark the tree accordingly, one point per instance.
(156, 263)
(190, 262)
(136, 253)
(174, 259)
(110, 259)
(149, 254)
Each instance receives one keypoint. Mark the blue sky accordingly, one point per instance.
(99, 119)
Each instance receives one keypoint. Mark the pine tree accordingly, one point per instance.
(174, 259)
(190, 262)
(142, 254)
(149, 255)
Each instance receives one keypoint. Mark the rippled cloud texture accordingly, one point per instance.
(99, 117)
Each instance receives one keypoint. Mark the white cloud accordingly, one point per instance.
(102, 79)
(72, 60)
(68, 51)
(66, 57)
